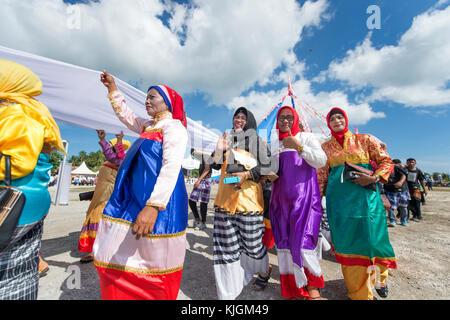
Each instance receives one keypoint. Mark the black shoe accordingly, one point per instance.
(383, 291)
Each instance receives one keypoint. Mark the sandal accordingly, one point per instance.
(314, 298)
(383, 291)
(261, 282)
(87, 259)
(43, 267)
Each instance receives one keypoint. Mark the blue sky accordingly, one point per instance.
(393, 81)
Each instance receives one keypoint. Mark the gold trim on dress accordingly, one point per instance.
(148, 236)
(136, 270)
(158, 205)
(151, 129)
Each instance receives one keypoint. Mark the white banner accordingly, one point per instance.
(75, 95)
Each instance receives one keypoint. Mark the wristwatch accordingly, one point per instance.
(377, 178)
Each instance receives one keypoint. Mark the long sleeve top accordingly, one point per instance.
(312, 151)
(109, 153)
(175, 140)
(357, 149)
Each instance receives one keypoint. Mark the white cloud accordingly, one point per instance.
(415, 72)
(220, 48)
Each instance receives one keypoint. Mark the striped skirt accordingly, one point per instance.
(19, 263)
(238, 251)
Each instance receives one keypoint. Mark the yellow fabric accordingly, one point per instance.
(19, 84)
(125, 143)
(248, 199)
(22, 138)
(359, 281)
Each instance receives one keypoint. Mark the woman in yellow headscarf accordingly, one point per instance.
(114, 154)
(27, 134)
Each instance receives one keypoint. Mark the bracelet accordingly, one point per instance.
(299, 150)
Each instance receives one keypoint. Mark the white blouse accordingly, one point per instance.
(175, 140)
(312, 149)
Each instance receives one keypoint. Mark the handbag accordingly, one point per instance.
(12, 201)
(351, 171)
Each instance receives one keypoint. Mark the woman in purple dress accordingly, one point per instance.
(295, 208)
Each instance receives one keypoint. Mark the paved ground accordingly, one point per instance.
(422, 250)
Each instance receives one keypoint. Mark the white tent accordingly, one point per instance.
(83, 170)
(190, 164)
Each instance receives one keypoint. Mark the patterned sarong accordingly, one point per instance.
(201, 193)
(19, 263)
(398, 199)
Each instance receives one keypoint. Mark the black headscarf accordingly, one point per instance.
(251, 122)
(247, 139)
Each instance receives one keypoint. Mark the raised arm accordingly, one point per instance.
(118, 103)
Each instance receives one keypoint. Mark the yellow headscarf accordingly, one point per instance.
(18, 84)
(125, 143)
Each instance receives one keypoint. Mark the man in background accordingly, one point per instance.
(414, 177)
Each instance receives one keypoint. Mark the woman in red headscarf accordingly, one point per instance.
(295, 208)
(141, 241)
(356, 214)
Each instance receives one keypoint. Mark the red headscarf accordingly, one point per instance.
(339, 136)
(295, 126)
(174, 101)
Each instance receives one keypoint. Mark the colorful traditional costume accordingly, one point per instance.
(238, 221)
(103, 190)
(27, 134)
(295, 213)
(356, 215)
(149, 267)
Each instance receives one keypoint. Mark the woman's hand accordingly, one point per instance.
(364, 179)
(108, 81)
(242, 177)
(223, 143)
(119, 137)
(145, 221)
(101, 134)
(291, 142)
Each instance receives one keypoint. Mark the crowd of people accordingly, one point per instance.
(135, 227)
(83, 181)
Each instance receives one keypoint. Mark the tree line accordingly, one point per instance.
(93, 160)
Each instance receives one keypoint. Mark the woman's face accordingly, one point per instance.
(285, 120)
(239, 122)
(154, 103)
(337, 122)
